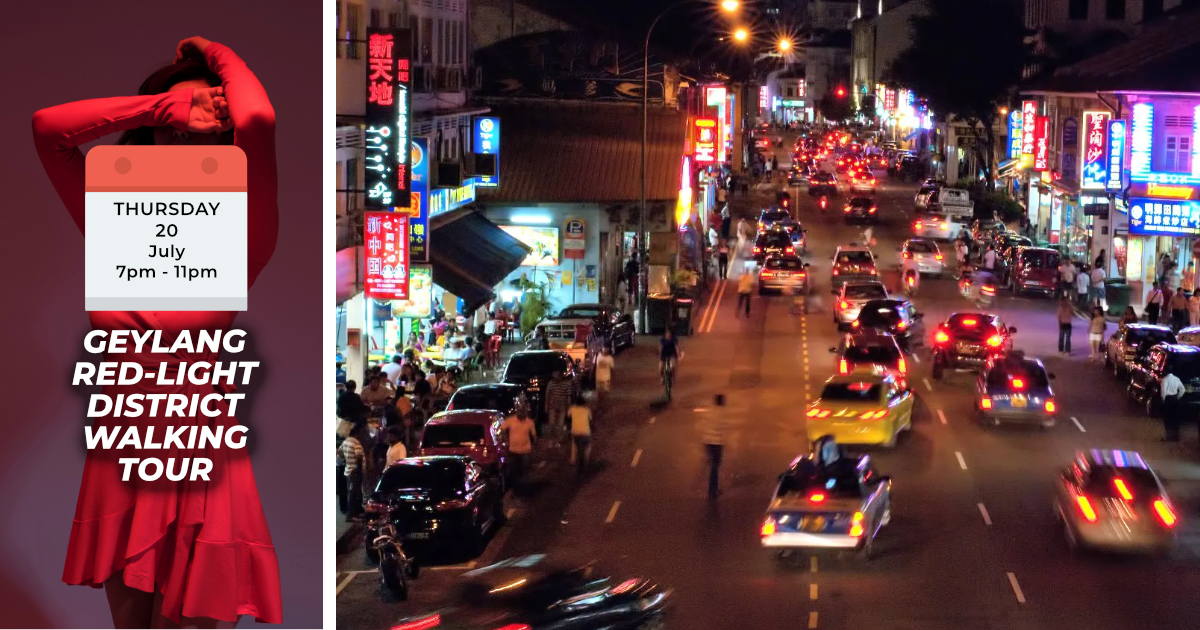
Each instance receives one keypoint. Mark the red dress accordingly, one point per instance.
(203, 544)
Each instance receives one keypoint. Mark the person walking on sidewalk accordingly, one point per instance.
(581, 434)
(723, 260)
(1179, 316)
(558, 400)
(521, 432)
(745, 288)
(1096, 331)
(355, 460)
(1154, 303)
(1065, 314)
(715, 433)
(604, 368)
(1172, 405)
(1097, 297)
(1082, 282)
(1066, 279)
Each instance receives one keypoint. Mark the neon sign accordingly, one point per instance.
(1014, 134)
(418, 210)
(889, 99)
(1166, 218)
(1116, 156)
(762, 97)
(1041, 144)
(704, 140)
(714, 95)
(1095, 151)
(1164, 191)
(1141, 144)
(386, 137)
(385, 243)
(683, 208)
(1028, 122)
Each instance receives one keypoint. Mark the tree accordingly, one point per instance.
(833, 108)
(965, 58)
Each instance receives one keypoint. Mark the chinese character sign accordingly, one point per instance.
(1041, 144)
(1115, 163)
(1094, 148)
(762, 97)
(386, 136)
(889, 99)
(1166, 218)
(801, 87)
(385, 250)
(704, 140)
(1014, 134)
(1028, 120)
(487, 135)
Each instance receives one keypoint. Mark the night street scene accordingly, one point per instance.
(707, 314)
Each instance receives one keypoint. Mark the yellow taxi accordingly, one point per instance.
(868, 406)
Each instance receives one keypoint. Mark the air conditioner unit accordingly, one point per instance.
(449, 175)
(484, 165)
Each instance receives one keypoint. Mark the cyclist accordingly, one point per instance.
(669, 353)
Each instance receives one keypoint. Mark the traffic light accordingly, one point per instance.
(840, 92)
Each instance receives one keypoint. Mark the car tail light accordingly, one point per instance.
(856, 525)
(768, 527)
(873, 415)
(970, 322)
(903, 366)
(917, 225)
(940, 337)
(843, 304)
(432, 621)
(766, 274)
(452, 504)
(1085, 508)
(995, 341)
(907, 255)
(843, 367)
(854, 324)
(901, 325)
(757, 250)
(1018, 383)
(1165, 514)
(985, 403)
(836, 272)
(1051, 407)
(525, 626)
(1122, 489)
(937, 256)
(817, 497)
(873, 209)
(791, 250)
(989, 290)
(376, 507)
(846, 209)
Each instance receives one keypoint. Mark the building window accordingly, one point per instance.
(395, 20)
(427, 40)
(352, 184)
(374, 18)
(414, 26)
(353, 19)
(1077, 10)
(1114, 9)
(1177, 157)
(441, 42)
(462, 41)
(791, 92)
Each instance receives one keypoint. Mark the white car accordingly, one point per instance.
(921, 199)
(937, 226)
(852, 263)
(852, 297)
(922, 255)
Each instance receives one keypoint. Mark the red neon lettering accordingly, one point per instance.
(380, 68)
(380, 46)
(380, 94)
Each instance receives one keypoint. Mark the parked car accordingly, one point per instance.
(1035, 269)
(471, 433)
(532, 369)
(612, 329)
(503, 397)
(1146, 374)
(1122, 349)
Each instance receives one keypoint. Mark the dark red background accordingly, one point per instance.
(65, 50)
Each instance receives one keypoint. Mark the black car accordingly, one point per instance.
(532, 369)
(862, 210)
(773, 243)
(1130, 343)
(771, 216)
(503, 397)
(525, 593)
(614, 328)
(442, 502)
(969, 340)
(1014, 388)
(822, 183)
(871, 348)
(898, 318)
(1146, 375)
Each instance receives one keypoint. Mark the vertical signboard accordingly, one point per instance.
(1041, 143)
(801, 88)
(385, 247)
(387, 182)
(487, 142)
(574, 239)
(1115, 163)
(704, 140)
(714, 95)
(1139, 147)
(1028, 122)
(1094, 156)
(762, 97)
(1014, 134)
(418, 210)
(1068, 162)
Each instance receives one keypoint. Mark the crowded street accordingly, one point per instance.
(973, 541)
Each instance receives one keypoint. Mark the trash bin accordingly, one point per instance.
(658, 314)
(681, 316)
(1116, 294)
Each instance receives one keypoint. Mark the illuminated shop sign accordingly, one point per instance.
(385, 243)
(801, 88)
(714, 95)
(1115, 162)
(446, 199)
(683, 205)
(1141, 147)
(1165, 218)
(418, 209)
(1164, 191)
(1095, 151)
(486, 139)
(387, 181)
(793, 103)
(1041, 144)
(1028, 122)
(704, 140)
(889, 99)
(1014, 134)
(762, 97)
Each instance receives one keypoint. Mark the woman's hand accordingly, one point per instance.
(187, 46)
(210, 111)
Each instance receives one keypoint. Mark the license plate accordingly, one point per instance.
(417, 536)
(1019, 401)
(813, 523)
(966, 348)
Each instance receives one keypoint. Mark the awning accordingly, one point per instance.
(470, 255)
(1007, 168)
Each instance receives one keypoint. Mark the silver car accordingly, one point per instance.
(851, 298)
(922, 255)
(937, 226)
(1112, 500)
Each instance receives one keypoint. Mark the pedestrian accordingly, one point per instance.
(521, 432)
(354, 459)
(989, 258)
(723, 259)
(350, 405)
(726, 221)
(774, 164)
(1096, 331)
(722, 195)
(581, 434)
(397, 450)
(1172, 404)
(1179, 315)
(1066, 279)
(1130, 317)
(1194, 309)
(1188, 281)
(1097, 295)
(745, 288)
(558, 400)
(1065, 314)
(715, 428)
(604, 368)
(1154, 303)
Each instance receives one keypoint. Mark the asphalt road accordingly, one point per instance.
(972, 542)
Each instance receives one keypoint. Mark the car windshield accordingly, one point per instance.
(880, 354)
(859, 391)
(1040, 259)
(922, 247)
(805, 478)
(451, 435)
(777, 215)
(793, 264)
(1139, 482)
(865, 291)
(1138, 336)
(879, 314)
(525, 365)
(440, 476)
(823, 177)
(1028, 377)
(775, 239)
(854, 258)
(1185, 365)
(581, 312)
(481, 398)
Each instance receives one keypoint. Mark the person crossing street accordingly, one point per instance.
(745, 289)
(715, 435)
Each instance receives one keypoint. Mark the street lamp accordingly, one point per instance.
(785, 45)
(741, 34)
(728, 6)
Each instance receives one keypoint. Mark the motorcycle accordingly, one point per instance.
(395, 568)
(987, 294)
(824, 203)
(910, 283)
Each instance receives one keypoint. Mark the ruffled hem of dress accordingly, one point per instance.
(221, 580)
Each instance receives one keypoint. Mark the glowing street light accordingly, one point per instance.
(741, 34)
(784, 45)
(729, 6)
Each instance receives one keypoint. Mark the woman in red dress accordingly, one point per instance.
(174, 553)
